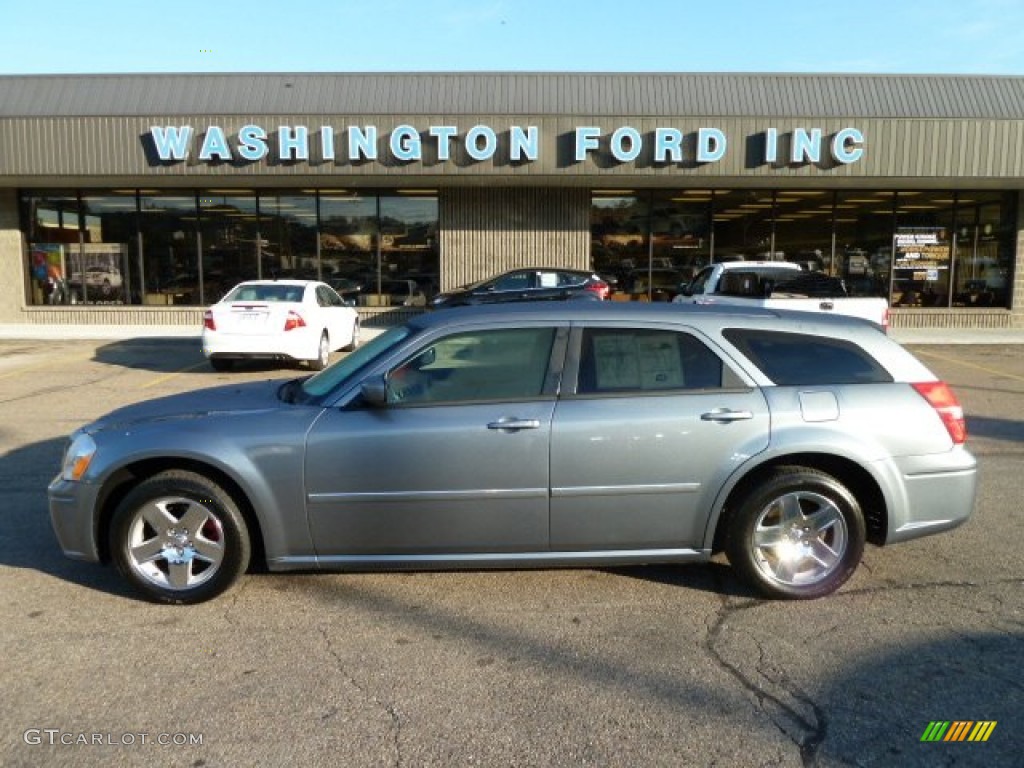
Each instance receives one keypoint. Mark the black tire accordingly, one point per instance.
(154, 549)
(222, 364)
(806, 514)
(355, 338)
(324, 353)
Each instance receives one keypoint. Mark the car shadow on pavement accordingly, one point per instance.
(1009, 430)
(160, 354)
(714, 577)
(869, 708)
(27, 540)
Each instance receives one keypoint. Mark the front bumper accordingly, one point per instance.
(72, 514)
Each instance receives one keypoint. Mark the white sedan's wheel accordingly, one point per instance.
(354, 344)
(323, 353)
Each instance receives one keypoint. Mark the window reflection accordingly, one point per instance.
(169, 269)
(288, 222)
(51, 221)
(230, 235)
(188, 248)
(983, 255)
(348, 243)
(409, 268)
(951, 249)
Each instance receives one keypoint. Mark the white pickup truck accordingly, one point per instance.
(780, 285)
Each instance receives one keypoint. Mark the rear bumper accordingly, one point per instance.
(939, 494)
(304, 345)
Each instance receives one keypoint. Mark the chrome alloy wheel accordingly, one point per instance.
(175, 543)
(799, 539)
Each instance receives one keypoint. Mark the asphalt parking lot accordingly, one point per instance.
(672, 666)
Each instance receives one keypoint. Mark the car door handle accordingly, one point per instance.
(726, 414)
(514, 424)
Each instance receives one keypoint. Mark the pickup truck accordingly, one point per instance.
(780, 285)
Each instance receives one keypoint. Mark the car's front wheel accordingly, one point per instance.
(798, 533)
(178, 537)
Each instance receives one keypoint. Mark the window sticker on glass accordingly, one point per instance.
(647, 361)
(548, 279)
(616, 361)
(660, 367)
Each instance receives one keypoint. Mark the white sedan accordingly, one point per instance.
(279, 320)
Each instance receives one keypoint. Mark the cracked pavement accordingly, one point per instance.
(655, 666)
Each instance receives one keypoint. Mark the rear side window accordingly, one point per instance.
(794, 359)
(645, 360)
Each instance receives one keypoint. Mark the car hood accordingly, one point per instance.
(246, 397)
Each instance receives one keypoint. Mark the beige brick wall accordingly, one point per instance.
(485, 231)
(1017, 300)
(12, 273)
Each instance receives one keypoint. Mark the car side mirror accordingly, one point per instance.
(686, 290)
(375, 391)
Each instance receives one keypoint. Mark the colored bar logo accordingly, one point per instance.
(958, 730)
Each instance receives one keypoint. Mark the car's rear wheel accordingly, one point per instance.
(799, 533)
(354, 344)
(222, 364)
(323, 353)
(178, 537)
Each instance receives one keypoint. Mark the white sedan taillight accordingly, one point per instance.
(208, 321)
(941, 398)
(293, 321)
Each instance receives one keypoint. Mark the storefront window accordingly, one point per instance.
(619, 249)
(288, 222)
(230, 236)
(348, 243)
(52, 225)
(982, 250)
(743, 225)
(680, 231)
(100, 267)
(409, 259)
(170, 266)
(804, 223)
(864, 242)
(922, 250)
(916, 248)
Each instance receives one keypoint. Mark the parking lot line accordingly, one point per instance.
(965, 364)
(171, 375)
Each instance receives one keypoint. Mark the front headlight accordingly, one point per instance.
(78, 457)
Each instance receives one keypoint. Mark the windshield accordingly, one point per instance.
(323, 382)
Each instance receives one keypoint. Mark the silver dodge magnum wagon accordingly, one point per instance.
(534, 435)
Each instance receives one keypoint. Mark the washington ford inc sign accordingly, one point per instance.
(482, 143)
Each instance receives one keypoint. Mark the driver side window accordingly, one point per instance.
(501, 364)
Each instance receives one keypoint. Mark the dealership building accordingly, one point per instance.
(140, 199)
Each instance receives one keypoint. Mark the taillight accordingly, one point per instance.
(885, 320)
(941, 398)
(293, 321)
(208, 322)
(600, 287)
